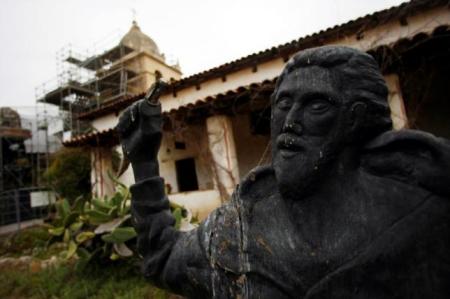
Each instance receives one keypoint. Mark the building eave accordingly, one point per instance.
(227, 101)
(357, 26)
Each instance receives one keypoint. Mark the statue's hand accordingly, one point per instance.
(140, 128)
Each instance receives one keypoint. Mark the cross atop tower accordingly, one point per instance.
(134, 14)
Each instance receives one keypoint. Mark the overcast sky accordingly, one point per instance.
(200, 33)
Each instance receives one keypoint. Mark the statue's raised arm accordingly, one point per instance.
(166, 252)
(140, 130)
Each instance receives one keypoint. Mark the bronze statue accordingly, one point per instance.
(348, 208)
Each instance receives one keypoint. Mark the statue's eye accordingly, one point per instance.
(284, 103)
(318, 106)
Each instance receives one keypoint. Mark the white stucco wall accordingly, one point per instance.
(221, 142)
(393, 31)
(265, 71)
(196, 141)
(100, 168)
(105, 122)
(250, 148)
(200, 203)
(395, 100)
(127, 177)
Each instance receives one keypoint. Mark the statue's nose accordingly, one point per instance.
(293, 127)
(292, 122)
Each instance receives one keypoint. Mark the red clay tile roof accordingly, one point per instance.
(105, 137)
(232, 93)
(110, 136)
(400, 12)
(369, 21)
(110, 107)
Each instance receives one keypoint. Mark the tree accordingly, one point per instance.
(69, 173)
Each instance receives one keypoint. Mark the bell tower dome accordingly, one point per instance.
(139, 41)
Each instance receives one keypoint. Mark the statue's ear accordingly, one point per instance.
(356, 118)
(414, 157)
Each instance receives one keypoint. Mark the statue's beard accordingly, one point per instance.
(300, 175)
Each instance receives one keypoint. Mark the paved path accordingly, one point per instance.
(10, 228)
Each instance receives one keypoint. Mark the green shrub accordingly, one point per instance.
(99, 230)
(69, 173)
(95, 230)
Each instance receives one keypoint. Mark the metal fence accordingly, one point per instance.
(16, 206)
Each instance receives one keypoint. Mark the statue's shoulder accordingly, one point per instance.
(411, 156)
(259, 182)
(407, 136)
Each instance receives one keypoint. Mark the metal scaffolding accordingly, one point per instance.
(20, 165)
(86, 80)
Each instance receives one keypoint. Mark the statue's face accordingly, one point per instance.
(306, 128)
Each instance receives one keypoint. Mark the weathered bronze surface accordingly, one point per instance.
(347, 209)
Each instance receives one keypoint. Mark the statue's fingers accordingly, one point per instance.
(149, 110)
(134, 111)
(151, 118)
(127, 121)
(124, 124)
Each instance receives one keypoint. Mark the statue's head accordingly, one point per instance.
(327, 101)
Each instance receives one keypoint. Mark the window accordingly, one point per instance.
(158, 75)
(180, 145)
(260, 122)
(186, 175)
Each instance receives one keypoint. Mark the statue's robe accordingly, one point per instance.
(382, 232)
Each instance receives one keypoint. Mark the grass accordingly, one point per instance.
(118, 280)
(24, 242)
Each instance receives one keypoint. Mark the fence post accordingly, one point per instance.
(17, 200)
